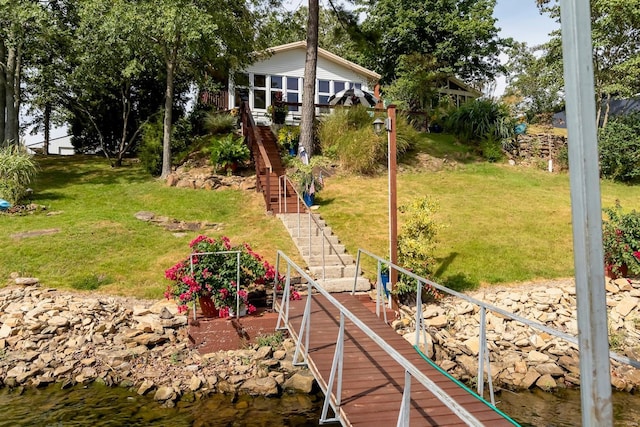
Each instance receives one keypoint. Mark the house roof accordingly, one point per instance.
(328, 56)
(465, 86)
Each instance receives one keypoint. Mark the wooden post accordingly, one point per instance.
(393, 203)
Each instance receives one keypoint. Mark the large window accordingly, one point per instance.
(293, 92)
(241, 88)
(259, 91)
(324, 91)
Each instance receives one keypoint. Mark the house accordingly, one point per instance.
(458, 91)
(281, 70)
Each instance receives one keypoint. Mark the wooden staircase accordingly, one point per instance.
(277, 200)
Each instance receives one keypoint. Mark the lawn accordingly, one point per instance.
(503, 224)
(101, 244)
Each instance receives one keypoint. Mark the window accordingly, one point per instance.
(259, 91)
(357, 85)
(338, 86)
(324, 91)
(276, 82)
(293, 92)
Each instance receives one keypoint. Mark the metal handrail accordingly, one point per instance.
(283, 180)
(335, 377)
(483, 355)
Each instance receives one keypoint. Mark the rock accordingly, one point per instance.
(530, 378)
(301, 382)
(145, 215)
(165, 393)
(6, 331)
(546, 383)
(537, 357)
(266, 386)
(472, 345)
(263, 352)
(195, 383)
(549, 368)
(26, 281)
(58, 321)
(437, 322)
(625, 306)
(150, 339)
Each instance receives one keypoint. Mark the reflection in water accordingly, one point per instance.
(104, 406)
(562, 409)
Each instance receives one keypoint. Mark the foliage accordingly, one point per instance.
(150, 148)
(219, 123)
(210, 270)
(347, 135)
(481, 119)
(619, 149)
(228, 151)
(460, 35)
(288, 137)
(307, 177)
(271, 340)
(416, 84)
(417, 239)
(621, 239)
(91, 282)
(17, 171)
(491, 147)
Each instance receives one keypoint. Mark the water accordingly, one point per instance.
(103, 406)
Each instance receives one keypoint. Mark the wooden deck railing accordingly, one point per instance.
(250, 131)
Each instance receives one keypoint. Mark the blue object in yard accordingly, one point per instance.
(521, 129)
(308, 199)
(4, 205)
(384, 278)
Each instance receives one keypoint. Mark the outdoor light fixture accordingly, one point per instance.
(377, 125)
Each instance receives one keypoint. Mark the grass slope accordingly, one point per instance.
(101, 243)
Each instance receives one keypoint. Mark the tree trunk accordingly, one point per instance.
(309, 88)
(168, 117)
(10, 133)
(606, 111)
(126, 110)
(3, 90)
(46, 123)
(17, 93)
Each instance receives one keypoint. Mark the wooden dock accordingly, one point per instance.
(373, 382)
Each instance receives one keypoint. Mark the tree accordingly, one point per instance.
(309, 89)
(615, 33)
(533, 81)
(460, 36)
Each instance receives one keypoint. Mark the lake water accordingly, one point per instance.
(103, 406)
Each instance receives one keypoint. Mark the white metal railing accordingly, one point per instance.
(483, 353)
(312, 222)
(333, 398)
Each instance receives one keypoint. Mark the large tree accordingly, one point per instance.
(309, 89)
(459, 35)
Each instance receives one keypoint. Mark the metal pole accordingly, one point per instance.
(483, 344)
(595, 387)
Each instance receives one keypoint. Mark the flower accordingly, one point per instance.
(212, 270)
(621, 240)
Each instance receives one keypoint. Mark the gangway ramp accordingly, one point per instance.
(373, 382)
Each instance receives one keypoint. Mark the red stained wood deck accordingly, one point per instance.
(372, 381)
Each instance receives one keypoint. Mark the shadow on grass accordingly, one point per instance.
(457, 282)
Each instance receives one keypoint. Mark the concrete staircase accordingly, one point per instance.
(321, 247)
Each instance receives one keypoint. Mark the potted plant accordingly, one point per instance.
(307, 178)
(621, 242)
(228, 152)
(209, 276)
(288, 138)
(278, 110)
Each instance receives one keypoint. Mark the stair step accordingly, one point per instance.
(319, 240)
(330, 259)
(317, 250)
(333, 271)
(345, 284)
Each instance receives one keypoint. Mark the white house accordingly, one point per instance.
(281, 70)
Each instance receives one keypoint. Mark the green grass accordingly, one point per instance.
(503, 224)
(102, 245)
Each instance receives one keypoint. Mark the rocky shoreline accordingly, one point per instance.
(522, 357)
(48, 336)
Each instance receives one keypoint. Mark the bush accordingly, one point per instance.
(17, 170)
(228, 151)
(476, 120)
(619, 149)
(219, 123)
(347, 135)
(621, 240)
(150, 148)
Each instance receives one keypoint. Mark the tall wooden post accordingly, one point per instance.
(393, 203)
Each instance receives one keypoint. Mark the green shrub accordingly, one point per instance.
(228, 151)
(347, 135)
(491, 148)
(475, 120)
(619, 149)
(289, 137)
(17, 170)
(150, 149)
(219, 123)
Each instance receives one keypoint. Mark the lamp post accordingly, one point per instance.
(390, 126)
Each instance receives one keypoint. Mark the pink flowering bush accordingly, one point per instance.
(212, 270)
(621, 241)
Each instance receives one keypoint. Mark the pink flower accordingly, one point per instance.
(295, 296)
(637, 255)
